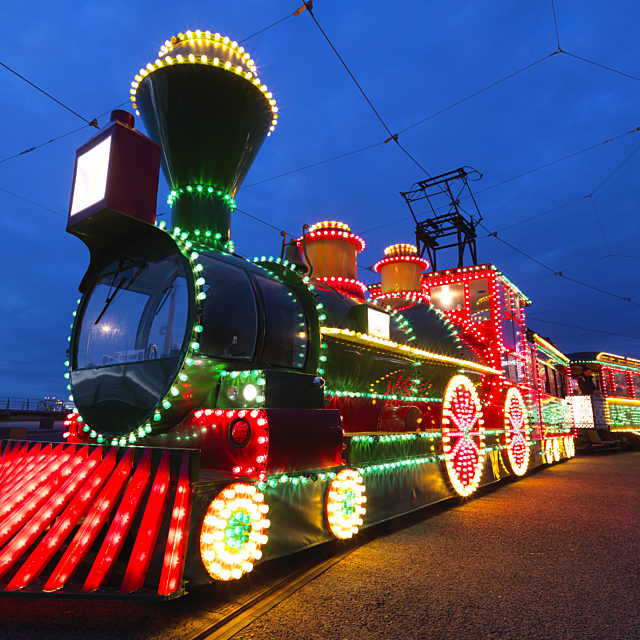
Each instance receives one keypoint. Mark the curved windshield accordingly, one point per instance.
(136, 311)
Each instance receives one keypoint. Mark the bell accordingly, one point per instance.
(293, 254)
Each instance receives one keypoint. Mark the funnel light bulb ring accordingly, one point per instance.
(243, 67)
(201, 190)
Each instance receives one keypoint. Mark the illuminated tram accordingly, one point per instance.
(606, 400)
(230, 411)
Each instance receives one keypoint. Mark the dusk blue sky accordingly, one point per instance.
(413, 59)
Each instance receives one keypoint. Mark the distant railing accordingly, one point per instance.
(32, 405)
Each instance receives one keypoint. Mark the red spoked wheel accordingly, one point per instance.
(516, 433)
(462, 435)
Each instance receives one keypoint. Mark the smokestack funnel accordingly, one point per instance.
(203, 103)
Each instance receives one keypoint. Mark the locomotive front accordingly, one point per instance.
(159, 319)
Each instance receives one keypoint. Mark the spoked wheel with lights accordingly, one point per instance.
(344, 503)
(463, 435)
(232, 531)
(556, 450)
(516, 433)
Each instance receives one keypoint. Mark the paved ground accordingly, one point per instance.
(555, 555)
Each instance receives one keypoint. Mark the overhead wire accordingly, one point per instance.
(33, 202)
(602, 66)
(92, 123)
(542, 213)
(476, 93)
(555, 22)
(392, 136)
(60, 137)
(546, 165)
(297, 12)
(268, 224)
(313, 164)
(555, 272)
(409, 127)
(599, 221)
(616, 169)
(573, 326)
(525, 173)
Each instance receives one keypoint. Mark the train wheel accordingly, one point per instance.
(548, 451)
(462, 435)
(344, 504)
(570, 446)
(516, 432)
(232, 531)
(556, 450)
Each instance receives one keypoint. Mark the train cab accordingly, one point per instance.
(607, 388)
(488, 311)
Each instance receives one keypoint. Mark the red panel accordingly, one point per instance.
(120, 526)
(98, 515)
(149, 527)
(58, 533)
(21, 459)
(173, 565)
(42, 473)
(24, 512)
(7, 455)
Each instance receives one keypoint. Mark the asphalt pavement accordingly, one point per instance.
(554, 555)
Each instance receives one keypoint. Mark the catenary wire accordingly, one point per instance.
(33, 202)
(555, 23)
(597, 214)
(313, 164)
(277, 22)
(60, 137)
(392, 136)
(560, 274)
(615, 170)
(478, 92)
(602, 66)
(522, 174)
(307, 5)
(573, 326)
(542, 213)
(92, 123)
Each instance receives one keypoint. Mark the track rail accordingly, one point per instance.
(234, 618)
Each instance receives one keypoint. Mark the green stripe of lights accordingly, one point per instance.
(414, 461)
(201, 190)
(203, 238)
(397, 437)
(295, 479)
(245, 388)
(379, 396)
(551, 355)
(611, 365)
(403, 323)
